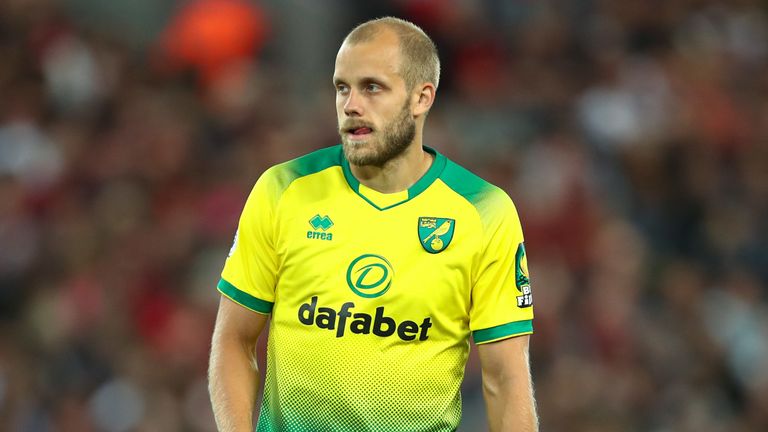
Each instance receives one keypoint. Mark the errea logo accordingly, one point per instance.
(320, 224)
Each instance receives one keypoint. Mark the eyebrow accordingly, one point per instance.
(363, 80)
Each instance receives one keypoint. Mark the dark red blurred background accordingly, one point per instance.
(631, 134)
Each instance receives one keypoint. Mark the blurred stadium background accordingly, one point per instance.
(631, 134)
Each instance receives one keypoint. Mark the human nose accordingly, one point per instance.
(353, 105)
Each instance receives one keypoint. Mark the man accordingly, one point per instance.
(376, 259)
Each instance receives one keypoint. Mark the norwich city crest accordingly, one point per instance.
(435, 234)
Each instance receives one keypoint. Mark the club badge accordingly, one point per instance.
(435, 234)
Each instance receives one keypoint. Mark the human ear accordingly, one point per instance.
(424, 98)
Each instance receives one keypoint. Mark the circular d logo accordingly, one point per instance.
(370, 275)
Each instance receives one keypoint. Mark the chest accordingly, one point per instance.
(416, 258)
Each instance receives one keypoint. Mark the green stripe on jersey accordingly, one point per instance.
(434, 172)
(465, 183)
(312, 163)
(243, 298)
(502, 331)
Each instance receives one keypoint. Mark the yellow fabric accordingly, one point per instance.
(331, 264)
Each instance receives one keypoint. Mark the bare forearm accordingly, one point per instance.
(510, 405)
(232, 383)
(507, 386)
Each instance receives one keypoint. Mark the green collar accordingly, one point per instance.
(434, 171)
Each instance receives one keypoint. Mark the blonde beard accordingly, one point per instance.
(396, 136)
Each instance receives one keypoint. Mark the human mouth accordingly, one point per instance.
(358, 132)
(362, 131)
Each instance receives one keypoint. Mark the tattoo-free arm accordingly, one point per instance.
(233, 372)
(507, 385)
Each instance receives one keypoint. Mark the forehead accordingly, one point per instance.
(376, 57)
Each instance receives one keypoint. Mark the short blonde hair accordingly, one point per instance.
(419, 60)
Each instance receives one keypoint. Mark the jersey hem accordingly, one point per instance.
(503, 331)
(243, 298)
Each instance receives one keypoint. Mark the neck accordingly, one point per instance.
(398, 174)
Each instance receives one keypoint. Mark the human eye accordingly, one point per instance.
(342, 89)
(373, 88)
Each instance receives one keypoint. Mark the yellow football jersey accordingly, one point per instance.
(373, 296)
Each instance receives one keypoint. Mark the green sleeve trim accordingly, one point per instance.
(503, 331)
(243, 298)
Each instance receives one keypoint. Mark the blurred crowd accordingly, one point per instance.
(632, 135)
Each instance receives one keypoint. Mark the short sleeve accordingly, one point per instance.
(250, 270)
(502, 305)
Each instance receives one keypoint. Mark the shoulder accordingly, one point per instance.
(490, 201)
(276, 179)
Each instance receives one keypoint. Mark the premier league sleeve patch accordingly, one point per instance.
(435, 234)
(234, 244)
(522, 280)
